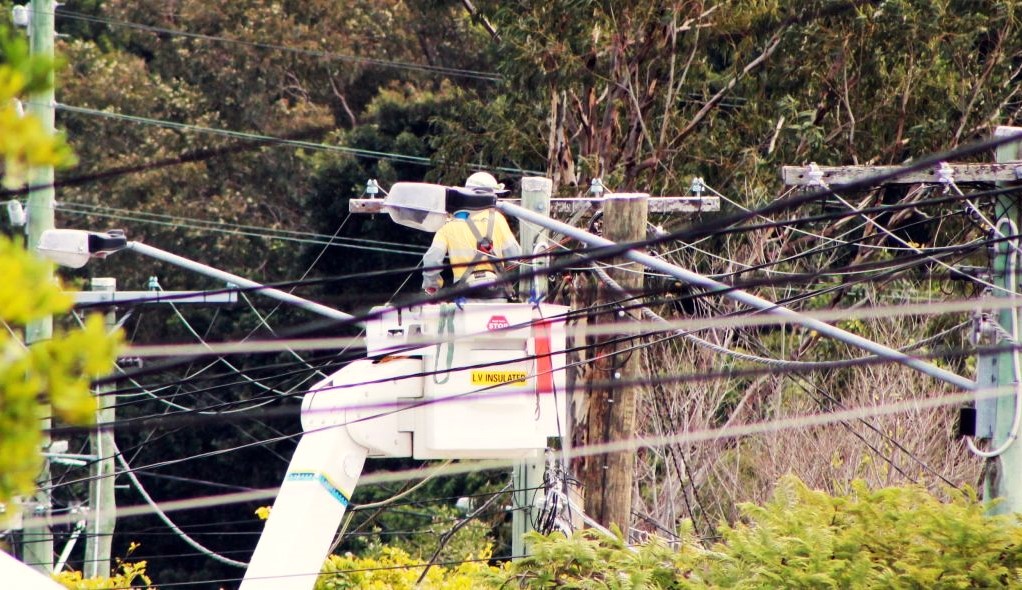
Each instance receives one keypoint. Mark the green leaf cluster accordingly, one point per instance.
(23, 140)
(900, 537)
(57, 371)
(592, 560)
(391, 568)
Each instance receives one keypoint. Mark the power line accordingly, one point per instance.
(614, 305)
(232, 229)
(257, 137)
(327, 55)
(166, 519)
(583, 255)
(388, 408)
(804, 384)
(697, 323)
(926, 402)
(229, 404)
(362, 153)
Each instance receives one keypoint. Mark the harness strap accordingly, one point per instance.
(481, 242)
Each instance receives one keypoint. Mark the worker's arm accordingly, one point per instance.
(434, 257)
(509, 246)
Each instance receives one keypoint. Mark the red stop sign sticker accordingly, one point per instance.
(497, 322)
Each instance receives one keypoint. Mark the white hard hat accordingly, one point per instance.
(483, 180)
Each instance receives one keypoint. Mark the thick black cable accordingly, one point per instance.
(898, 264)
(614, 304)
(323, 281)
(672, 379)
(199, 155)
(458, 291)
(235, 403)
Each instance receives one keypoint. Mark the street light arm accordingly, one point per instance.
(227, 277)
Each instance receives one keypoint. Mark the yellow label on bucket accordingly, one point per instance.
(516, 378)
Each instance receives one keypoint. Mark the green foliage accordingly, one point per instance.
(890, 538)
(56, 371)
(388, 528)
(591, 560)
(901, 537)
(398, 120)
(23, 140)
(621, 84)
(129, 575)
(391, 568)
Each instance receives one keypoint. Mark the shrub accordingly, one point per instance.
(889, 538)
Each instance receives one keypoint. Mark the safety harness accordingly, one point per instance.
(484, 243)
(459, 202)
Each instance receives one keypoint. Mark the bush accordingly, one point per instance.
(391, 568)
(890, 538)
(128, 577)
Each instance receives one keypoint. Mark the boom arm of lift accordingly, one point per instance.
(326, 466)
(310, 507)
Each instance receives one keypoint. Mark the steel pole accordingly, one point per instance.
(37, 539)
(744, 297)
(227, 277)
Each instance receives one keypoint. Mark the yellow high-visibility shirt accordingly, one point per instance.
(456, 241)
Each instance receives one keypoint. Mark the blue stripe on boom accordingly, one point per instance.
(323, 481)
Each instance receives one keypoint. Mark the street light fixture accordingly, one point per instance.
(75, 247)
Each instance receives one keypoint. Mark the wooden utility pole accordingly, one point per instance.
(607, 478)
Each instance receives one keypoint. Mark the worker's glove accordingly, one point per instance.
(430, 290)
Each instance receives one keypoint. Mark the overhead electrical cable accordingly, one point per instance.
(581, 256)
(805, 385)
(278, 371)
(898, 238)
(319, 54)
(739, 320)
(656, 318)
(163, 399)
(389, 408)
(166, 519)
(661, 321)
(261, 138)
(934, 400)
(246, 136)
(245, 230)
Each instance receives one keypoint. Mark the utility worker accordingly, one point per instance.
(474, 240)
